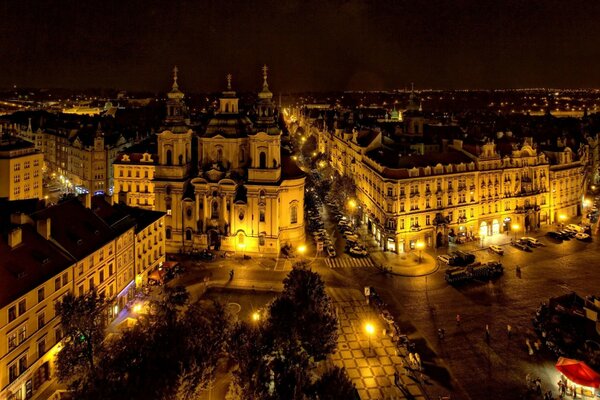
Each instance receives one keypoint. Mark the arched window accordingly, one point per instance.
(219, 155)
(181, 159)
(261, 194)
(188, 234)
(294, 214)
(226, 107)
(242, 155)
(168, 233)
(169, 157)
(215, 210)
(188, 212)
(262, 159)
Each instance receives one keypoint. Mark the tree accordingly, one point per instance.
(334, 384)
(83, 322)
(308, 310)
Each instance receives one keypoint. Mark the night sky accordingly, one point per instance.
(308, 45)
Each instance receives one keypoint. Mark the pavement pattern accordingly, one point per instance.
(371, 364)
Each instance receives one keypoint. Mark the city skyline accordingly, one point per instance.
(352, 45)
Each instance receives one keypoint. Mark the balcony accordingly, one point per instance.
(414, 194)
(415, 228)
(428, 192)
(462, 220)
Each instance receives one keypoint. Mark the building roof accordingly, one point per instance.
(75, 228)
(228, 125)
(389, 158)
(137, 151)
(289, 168)
(28, 265)
(121, 217)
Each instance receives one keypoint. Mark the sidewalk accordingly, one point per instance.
(370, 362)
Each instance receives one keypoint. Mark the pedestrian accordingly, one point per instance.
(487, 332)
(508, 330)
(457, 319)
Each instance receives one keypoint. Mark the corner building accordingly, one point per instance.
(243, 193)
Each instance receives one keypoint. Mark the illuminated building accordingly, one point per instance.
(20, 169)
(244, 193)
(457, 193)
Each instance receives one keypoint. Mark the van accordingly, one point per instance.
(574, 228)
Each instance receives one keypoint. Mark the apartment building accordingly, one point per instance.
(20, 169)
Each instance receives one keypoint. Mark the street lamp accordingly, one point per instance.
(242, 246)
(352, 206)
(255, 316)
(562, 218)
(420, 246)
(370, 330)
(515, 228)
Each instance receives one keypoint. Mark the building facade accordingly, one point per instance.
(20, 169)
(471, 191)
(227, 187)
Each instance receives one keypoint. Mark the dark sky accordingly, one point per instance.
(308, 45)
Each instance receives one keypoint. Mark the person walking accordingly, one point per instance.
(508, 330)
(231, 275)
(457, 319)
(487, 333)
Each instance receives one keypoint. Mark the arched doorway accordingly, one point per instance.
(483, 229)
(439, 240)
(214, 239)
(495, 227)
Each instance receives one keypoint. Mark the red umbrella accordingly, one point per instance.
(578, 372)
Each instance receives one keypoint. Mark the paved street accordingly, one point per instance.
(463, 364)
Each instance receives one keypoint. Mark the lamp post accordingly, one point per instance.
(242, 246)
(515, 228)
(562, 218)
(370, 330)
(420, 246)
(302, 249)
(255, 316)
(352, 206)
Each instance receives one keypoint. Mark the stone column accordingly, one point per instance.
(204, 213)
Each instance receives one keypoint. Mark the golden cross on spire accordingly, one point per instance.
(265, 69)
(175, 70)
(228, 81)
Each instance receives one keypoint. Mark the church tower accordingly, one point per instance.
(265, 144)
(172, 174)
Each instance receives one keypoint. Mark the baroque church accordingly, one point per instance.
(230, 186)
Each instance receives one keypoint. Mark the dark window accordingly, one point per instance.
(41, 347)
(188, 212)
(215, 210)
(12, 313)
(41, 320)
(168, 233)
(57, 284)
(41, 295)
(169, 157)
(294, 214)
(188, 235)
(22, 307)
(262, 216)
(263, 159)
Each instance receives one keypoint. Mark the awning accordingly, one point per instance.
(578, 372)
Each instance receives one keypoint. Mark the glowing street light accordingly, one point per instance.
(352, 204)
(515, 228)
(255, 316)
(370, 330)
(137, 308)
(302, 249)
(242, 246)
(420, 246)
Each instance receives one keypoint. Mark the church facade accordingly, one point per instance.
(230, 186)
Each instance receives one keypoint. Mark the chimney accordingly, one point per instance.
(43, 228)
(15, 237)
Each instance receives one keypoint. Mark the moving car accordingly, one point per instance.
(497, 249)
(583, 236)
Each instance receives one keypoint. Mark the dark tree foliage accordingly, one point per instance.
(83, 321)
(170, 353)
(274, 358)
(333, 385)
(344, 187)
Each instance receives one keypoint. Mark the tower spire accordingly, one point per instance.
(265, 69)
(228, 81)
(175, 85)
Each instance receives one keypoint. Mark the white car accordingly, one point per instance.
(444, 258)
(574, 228)
(497, 249)
(531, 241)
(331, 251)
(583, 236)
(358, 252)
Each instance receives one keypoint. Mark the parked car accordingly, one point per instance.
(497, 249)
(331, 251)
(444, 258)
(567, 234)
(521, 246)
(574, 228)
(583, 236)
(467, 258)
(531, 241)
(554, 235)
